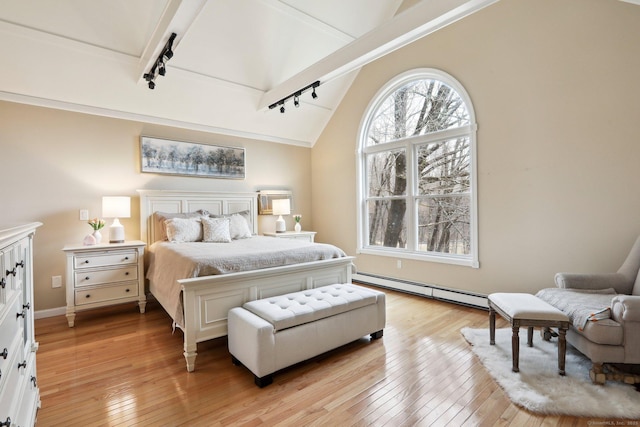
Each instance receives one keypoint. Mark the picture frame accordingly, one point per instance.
(164, 156)
(266, 198)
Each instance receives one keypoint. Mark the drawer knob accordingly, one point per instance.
(4, 353)
(23, 313)
(126, 258)
(3, 283)
(20, 264)
(33, 380)
(12, 272)
(6, 423)
(127, 290)
(23, 364)
(86, 261)
(86, 278)
(126, 273)
(87, 296)
(27, 306)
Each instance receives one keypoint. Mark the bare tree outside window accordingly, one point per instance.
(418, 170)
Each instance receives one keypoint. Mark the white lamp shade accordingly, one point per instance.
(281, 207)
(116, 207)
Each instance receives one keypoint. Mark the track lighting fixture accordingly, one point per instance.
(159, 66)
(296, 96)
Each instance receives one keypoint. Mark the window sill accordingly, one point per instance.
(442, 259)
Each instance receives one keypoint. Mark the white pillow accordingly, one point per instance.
(239, 227)
(180, 230)
(216, 230)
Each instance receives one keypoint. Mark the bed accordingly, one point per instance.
(199, 305)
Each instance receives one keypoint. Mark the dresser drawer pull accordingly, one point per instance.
(23, 313)
(86, 278)
(6, 423)
(126, 273)
(86, 261)
(3, 283)
(127, 290)
(5, 353)
(23, 364)
(87, 296)
(12, 272)
(20, 264)
(33, 380)
(126, 258)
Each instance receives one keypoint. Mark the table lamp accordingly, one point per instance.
(116, 207)
(281, 207)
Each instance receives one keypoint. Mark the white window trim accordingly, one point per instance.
(472, 259)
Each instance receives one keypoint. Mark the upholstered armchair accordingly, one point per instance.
(613, 337)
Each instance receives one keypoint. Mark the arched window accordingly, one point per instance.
(416, 171)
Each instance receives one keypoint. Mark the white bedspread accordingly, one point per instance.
(169, 262)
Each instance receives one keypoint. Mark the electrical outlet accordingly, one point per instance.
(84, 214)
(56, 281)
(399, 264)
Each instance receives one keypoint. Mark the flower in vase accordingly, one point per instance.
(297, 217)
(96, 223)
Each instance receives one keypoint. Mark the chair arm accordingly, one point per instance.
(625, 308)
(592, 281)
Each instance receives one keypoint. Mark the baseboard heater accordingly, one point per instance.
(455, 296)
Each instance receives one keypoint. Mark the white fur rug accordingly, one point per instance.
(539, 388)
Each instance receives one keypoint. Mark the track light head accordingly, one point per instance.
(282, 109)
(161, 69)
(167, 54)
(296, 101)
(314, 95)
(152, 85)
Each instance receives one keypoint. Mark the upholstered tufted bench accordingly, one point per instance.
(273, 333)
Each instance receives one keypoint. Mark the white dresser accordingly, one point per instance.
(104, 274)
(19, 393)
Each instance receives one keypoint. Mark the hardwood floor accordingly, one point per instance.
(120, 367)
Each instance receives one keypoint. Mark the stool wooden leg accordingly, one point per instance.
(562, 349)
(515, 348)
(530, 336)
(492, 326)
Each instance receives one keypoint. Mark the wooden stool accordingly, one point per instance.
(527, 310)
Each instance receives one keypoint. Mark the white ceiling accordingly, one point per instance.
(232, 58)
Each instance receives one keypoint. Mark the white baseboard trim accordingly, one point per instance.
(51, 312)
(469, 299)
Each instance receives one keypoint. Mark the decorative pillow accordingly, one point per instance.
(240, 224)
(159, 218)
(238, 227)
(215, 230)
(180, 230)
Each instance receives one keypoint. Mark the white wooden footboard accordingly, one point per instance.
(207, 300)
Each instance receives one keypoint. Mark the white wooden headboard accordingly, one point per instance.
(173, 201)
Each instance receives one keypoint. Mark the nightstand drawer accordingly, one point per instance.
(108, 293)
(105, 259)
(10, 325)
(88, 278)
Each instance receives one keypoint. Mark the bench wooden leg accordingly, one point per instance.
(492, 326)
(530, 336)
(515, 348)
(377, 335)
(263, 381)
(562, 349)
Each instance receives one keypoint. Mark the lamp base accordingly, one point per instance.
(281, 226)
(116, 232)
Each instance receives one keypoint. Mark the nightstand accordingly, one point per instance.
(104, 274)
(302, 235)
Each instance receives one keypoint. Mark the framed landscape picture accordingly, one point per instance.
(191, 159)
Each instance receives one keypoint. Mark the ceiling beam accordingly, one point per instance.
(177, 17)
(414, 23)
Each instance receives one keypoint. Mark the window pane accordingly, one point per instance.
(444, 167)
(387, 174)
(387, 223)
(417, 108)
(444, 225)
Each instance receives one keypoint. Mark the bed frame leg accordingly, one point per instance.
(264, 381)
(235, 361)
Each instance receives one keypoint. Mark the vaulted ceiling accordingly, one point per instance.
(232, 58)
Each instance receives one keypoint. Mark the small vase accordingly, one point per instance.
(89, 240)
(96, 234)
(297, 227)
